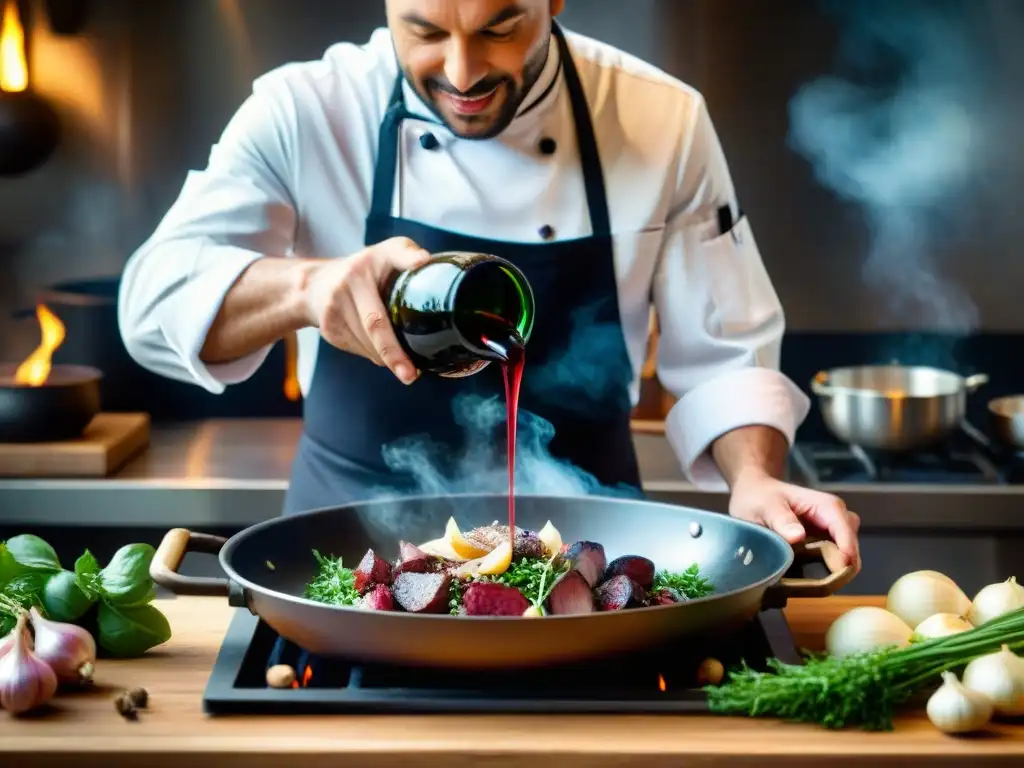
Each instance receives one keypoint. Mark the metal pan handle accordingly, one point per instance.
(176, 543)
(840, 574)
(975, 382)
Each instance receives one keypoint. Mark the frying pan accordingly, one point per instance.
(269, 564)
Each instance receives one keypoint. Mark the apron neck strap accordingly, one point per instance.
(590, 160)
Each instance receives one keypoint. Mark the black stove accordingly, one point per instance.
(967, 457)
(659, 680)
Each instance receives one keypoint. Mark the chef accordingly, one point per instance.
(485, 126)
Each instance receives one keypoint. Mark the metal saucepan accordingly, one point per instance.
(269, 564)
(1006, 421)
(893, 407)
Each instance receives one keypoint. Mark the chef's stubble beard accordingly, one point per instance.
(531, 74)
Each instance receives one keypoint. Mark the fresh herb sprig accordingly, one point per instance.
(689, 583)
(334, 584)
(113, 602)
(534, 576)
(859, 690)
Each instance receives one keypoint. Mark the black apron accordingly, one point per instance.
(354, 409)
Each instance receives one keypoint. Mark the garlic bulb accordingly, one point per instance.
(953, 708)
(941, 625)
(25, 682)
(866, 628)
(1000, 676)
(995, 600)
(916, 596)
(68, 649)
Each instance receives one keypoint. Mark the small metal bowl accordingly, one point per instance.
(59, 409)
(1006, 420)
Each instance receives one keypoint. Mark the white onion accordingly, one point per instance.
(1000, 676)
(866, 628)
(916, 596)
(941, 625)
(995, 600)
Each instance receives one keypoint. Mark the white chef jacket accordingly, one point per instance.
(293, 174)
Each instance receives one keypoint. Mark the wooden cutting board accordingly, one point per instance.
(109, 441)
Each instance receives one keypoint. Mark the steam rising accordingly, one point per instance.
(905, 130)
(482, 467)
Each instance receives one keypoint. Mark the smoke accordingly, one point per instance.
(584, 374)
(909, 129)
(482, 467)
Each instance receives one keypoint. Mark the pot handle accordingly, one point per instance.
(972, 383)
(840, 574)
(819, 384)
(176, 543)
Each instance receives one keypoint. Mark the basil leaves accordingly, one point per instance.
(113, 601)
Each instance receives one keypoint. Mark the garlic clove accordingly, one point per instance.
(954, 708)
(866, 628)
(1000, 677)
(941, 625)
(26, 683)
(7, 642)
(68, 649)
(995, 600)
(916, 596)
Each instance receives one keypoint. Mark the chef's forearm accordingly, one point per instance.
(748, 450)
(265, 304)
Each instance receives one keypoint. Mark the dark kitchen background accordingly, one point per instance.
(875, 146)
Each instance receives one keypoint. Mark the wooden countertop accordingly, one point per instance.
(84, 729)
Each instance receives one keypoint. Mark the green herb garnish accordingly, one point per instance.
(533, 576)
(334, 584)
(455, 590)
(689, 583)
(124, 623)
(862, 689)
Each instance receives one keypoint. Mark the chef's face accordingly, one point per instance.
(472, 61)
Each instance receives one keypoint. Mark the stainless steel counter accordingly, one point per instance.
(224, 475)
(234, 472)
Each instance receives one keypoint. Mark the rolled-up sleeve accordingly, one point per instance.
(235, 211)
(720, 321)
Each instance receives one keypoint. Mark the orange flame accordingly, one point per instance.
(307, 675)
(36, 369)
(291, 376)
(661, 683)
(13, 63)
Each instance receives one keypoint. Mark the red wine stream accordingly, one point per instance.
(506, 342)
(513, 371)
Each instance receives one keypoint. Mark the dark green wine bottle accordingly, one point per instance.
(461, 311)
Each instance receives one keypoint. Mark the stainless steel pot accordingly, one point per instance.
(1006, 421)
(893, 407)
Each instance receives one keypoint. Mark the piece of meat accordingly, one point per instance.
(666, 596)
(571, 595)
(619, 592)
(407, 551)
(639, 569)
(488, 598)
(372, 569)
(422, 592)
(379, 599)
(425, 564)
(525, 544)
(589, 559)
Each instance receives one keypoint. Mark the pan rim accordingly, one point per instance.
(236, 541)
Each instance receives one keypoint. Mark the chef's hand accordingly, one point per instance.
(794, 512)
(343, 300)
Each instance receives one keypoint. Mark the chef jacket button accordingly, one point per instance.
(546, 232)
(547, 146)
(429, 141)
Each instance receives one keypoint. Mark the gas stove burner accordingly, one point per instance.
(660, 680)
(967, 458)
